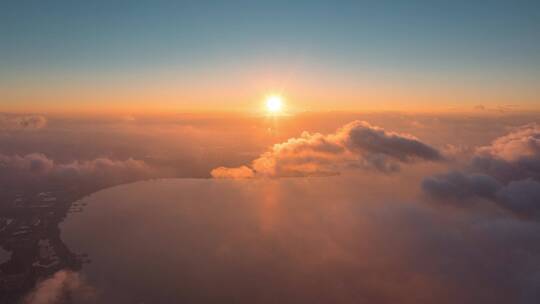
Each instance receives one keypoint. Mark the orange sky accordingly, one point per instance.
(247, 95)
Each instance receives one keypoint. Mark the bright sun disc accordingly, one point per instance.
(274, 104)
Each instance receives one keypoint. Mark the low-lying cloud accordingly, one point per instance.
(37, 167)
(63, 287)
(10, 122)
(357, 144)
(461, 186)
(506, 172)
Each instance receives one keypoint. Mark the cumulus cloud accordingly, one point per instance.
(62, 285)
(523, 142)
(357, 144)
(513, 156)
(506, 172)
(21, 122)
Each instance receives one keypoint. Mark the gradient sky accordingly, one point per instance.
(226, 55)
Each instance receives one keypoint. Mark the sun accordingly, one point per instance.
(274, 104)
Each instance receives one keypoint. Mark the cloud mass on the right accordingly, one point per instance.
(506, 172)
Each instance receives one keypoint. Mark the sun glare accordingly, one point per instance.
(274, 104)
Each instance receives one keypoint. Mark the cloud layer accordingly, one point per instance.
(37, 167)
(12, 122)
(356, 144)
(506, 172)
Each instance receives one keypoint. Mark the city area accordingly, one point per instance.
(30, 245)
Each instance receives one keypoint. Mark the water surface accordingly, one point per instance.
(325, 240)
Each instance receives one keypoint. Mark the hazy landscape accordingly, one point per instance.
(257, 152)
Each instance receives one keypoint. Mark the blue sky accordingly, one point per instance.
(491, 43)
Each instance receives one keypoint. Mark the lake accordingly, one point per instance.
(319, 240)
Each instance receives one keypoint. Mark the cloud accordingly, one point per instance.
(513, 156)
(240, 172)
(479, 107)
(364, 138)
(11, 122)
(102, 167)
(506, 172)
(523, 142)
(521, 197)
(34, 163)
(459, 186)
(36, 167)
(62, 285)
(357, 144)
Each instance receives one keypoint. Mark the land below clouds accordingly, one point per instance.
(49, 162)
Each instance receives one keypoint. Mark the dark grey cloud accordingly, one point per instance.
(364, 138)
(458, 185)
(506, 172)
(356, 144)
(521, 197)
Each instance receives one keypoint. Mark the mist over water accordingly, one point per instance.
(315, 240)
(313, 208)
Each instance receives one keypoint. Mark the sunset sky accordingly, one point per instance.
(261, 152)
(190, 56)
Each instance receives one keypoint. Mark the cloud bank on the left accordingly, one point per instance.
(21, 122)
